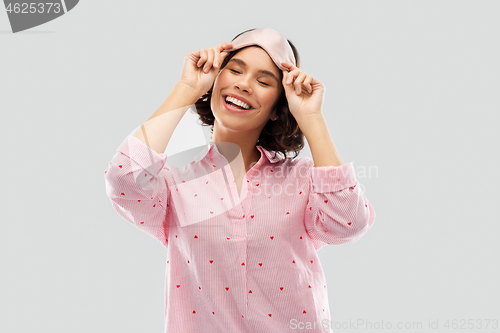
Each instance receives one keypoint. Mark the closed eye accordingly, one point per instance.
(232, 70)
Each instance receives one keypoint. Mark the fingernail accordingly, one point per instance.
(216, 64)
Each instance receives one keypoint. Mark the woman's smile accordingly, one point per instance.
(233, 107)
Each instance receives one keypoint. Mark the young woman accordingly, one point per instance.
(242, 224)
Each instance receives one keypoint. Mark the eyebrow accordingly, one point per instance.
(263, 71)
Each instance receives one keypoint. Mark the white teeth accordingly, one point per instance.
(238, 102)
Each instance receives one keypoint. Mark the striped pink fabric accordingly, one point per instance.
(240, 265)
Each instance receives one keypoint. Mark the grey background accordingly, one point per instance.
(412, 90)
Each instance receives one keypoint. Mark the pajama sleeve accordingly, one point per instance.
(337, 211)
(137, 187)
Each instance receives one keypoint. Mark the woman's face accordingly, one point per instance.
(252, 76)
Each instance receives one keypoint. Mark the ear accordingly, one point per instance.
(273, 116)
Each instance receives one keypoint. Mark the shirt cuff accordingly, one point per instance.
(140, 153)
(333, 178)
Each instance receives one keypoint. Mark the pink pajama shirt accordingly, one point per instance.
(240, 264)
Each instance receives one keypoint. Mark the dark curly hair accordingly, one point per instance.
(281, 135)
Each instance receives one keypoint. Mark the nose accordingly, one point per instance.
(242, 84)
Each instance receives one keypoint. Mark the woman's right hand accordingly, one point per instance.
(201, 67)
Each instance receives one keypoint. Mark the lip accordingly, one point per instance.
(240, 98)
(233, 109)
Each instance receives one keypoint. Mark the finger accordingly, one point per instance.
(210, 60)
(219, 58)
(221, 54)
(299, 81)
(289, 65)
(203, 57)
(286, 78)
(292, 75)
(307, 83)
(216, 59)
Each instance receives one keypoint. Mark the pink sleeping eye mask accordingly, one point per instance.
(271, 41)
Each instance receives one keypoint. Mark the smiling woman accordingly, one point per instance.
(279, 133)
(242, 237)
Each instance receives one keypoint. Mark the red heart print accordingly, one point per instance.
(227, 237)
(120, 166)
(243, 216)
(293, 262)
(251, 216)
(300, 192)
(222, 198)
(175, 236)
(168, 261)
(199, 288)
(227, 288)
(269, 314)
(287, 213)
(154, 205)
(310, 286)
(250, 292)
(271, 170)
(260, 264)
(195, 236)
(242, 264)
(206, 183)
(304, 311)
(138, 200)
(178, 286)
(349, 223)
(188, 261)
(257, 185)
(311, 261)
(211, 212)
(196, 195)
(122, 193)
(310, 208)
(142, 222)
(272, 237)
(213, 312)
(211, 261)
(281, 288)
(300, 237)
(326, 201)
(366, 205)
(194, 311)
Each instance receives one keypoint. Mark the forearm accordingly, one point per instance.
(158, 129)
(320, 142)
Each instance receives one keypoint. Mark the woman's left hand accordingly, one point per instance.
(308, 100)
